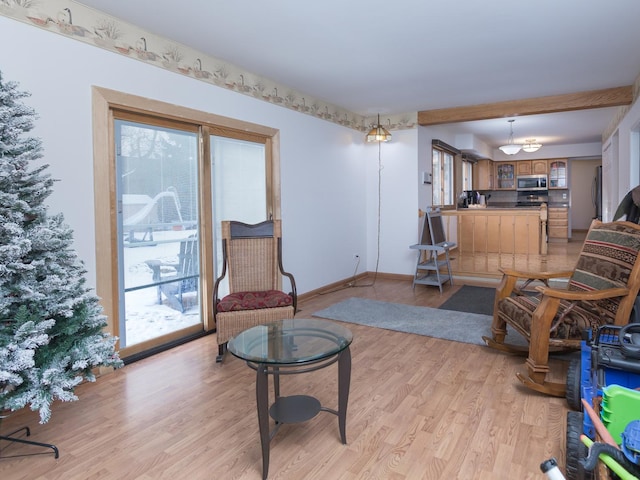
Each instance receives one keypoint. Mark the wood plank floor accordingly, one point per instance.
(419, 408)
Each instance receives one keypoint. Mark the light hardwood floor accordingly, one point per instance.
(419, 408)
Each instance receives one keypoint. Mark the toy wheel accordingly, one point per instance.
(573, 393)
(575, 449)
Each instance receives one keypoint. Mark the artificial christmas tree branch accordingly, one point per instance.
(51, 324)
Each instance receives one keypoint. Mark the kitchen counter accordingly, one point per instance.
(517, 207)
(507, 205)
(498, 230)
(500, 206)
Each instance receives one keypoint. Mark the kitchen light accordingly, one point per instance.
(531, 146)
(378, 133)
(511, 148)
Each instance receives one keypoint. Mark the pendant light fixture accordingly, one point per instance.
(511, 148)
(378, 133)
(531, 146)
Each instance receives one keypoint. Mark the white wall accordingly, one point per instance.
(398, 211)
(329, 176)
(621, 161)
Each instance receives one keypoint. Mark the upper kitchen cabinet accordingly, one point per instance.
(558, 169)
(483, 175)
(539, 166)
(532, 167)
(505, 175)
(523, 167)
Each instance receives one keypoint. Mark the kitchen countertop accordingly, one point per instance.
(493, 208)
(511, 205)
(516, 207)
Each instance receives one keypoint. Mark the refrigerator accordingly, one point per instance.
(596, 193)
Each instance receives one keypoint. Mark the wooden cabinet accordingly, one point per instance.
(532, 167)
(558, 224)
(524, 167)
(483, 175)
(539, 166)
(558, 170)
(496, 230)
(505, 175)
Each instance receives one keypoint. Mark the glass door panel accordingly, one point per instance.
(448, 179)
(239, 179)
(158, 242)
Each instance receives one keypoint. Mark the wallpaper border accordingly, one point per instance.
(85, 24)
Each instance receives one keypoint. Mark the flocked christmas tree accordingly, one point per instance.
(51, 325)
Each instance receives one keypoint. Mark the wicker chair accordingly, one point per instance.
(252, 262)
(601, 290)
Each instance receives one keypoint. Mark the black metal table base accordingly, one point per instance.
(297, 408)
(11, 438)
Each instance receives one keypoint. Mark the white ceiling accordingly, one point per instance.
(371, 56)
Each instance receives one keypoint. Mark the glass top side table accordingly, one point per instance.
(289, 347)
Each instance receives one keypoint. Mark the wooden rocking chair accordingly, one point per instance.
(601, 291)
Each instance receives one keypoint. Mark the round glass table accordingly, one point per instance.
(289, 347)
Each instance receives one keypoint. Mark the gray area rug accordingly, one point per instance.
(446, 324)
(471, 299)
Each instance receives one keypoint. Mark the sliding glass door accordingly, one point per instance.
(158, 241)
(165, 177)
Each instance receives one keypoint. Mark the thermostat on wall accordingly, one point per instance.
(426, 178)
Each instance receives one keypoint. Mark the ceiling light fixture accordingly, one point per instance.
(378, 133)
(531, 146)
(511, 148)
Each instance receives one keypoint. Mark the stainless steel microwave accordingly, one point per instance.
(531, 182)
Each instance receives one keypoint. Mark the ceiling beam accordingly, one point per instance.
(608, 97)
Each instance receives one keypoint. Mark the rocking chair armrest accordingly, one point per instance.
(574, 295)
(510, 278)
(535, 275)
(546, 311)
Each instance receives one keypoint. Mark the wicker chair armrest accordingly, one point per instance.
(292, 281)
(216, 285)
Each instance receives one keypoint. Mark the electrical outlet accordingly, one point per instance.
(564, 196)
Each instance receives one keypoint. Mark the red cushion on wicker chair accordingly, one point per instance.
(254, 300)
